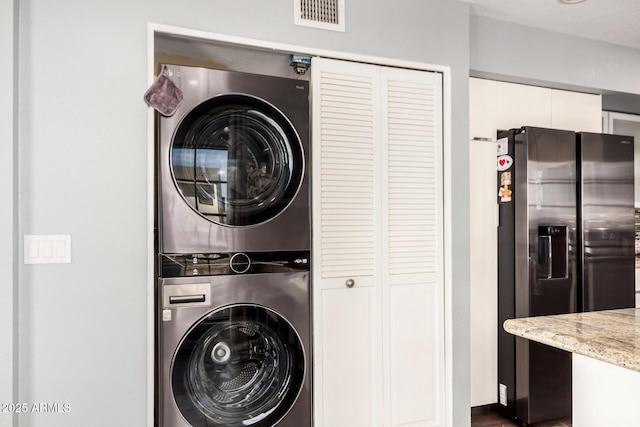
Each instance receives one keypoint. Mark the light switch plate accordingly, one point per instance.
(47, 249)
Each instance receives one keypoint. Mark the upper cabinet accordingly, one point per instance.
(575, 111)
(498, 105)
(377, 246)
(520, 105)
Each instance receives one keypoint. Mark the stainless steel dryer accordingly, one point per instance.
(232, 164)
(234, 340)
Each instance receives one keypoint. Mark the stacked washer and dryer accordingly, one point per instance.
(233, 222)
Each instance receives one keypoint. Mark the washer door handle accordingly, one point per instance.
(185, 299)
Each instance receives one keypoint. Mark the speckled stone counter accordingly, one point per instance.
(611, 336)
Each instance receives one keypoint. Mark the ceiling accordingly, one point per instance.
(612, 21)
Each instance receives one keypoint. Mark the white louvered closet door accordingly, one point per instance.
(412, 248)
(347, 337)
(377, 226)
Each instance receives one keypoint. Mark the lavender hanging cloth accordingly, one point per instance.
(163, 95)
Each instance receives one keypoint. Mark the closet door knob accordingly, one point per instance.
(349, 283)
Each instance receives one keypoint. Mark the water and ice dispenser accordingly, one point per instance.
(553, 252)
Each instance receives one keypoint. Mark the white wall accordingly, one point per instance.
(483, 281)
(83, 171)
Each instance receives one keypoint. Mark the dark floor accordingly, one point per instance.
(493, 419)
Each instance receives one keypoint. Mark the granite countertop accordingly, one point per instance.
(611, 336)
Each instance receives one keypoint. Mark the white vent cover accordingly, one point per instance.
(324, 14)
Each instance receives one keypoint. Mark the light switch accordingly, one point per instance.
(33, 250)
(47, 249)
(61, 249)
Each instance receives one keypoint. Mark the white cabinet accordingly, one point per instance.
(377, 246)
(603, 393)
(483, 102)
(497, 105)
(521, 105)
(580, 112)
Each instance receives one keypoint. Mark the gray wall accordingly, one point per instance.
(521, 54)
(8, 193)
(83, 171)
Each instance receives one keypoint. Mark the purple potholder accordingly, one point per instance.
(163, 95)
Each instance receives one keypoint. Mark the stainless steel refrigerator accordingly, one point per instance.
(566, 244)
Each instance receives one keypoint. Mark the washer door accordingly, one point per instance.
(240, 366)
(237, 160)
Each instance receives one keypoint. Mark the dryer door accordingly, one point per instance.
(237, 160)
(239, 366)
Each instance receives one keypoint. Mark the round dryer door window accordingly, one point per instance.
(237, 160)
(240, 366)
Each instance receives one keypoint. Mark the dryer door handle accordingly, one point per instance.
(186, 299)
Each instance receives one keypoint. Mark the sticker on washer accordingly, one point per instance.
(503, 146)
(504, 162)
(166, 315)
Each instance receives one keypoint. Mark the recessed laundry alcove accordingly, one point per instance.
(380, 276)
(197, 52)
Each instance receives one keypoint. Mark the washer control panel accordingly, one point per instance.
(216, 264)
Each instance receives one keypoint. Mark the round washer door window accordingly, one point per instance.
(240, 366)
(237, 160)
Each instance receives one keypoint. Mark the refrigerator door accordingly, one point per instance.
(506, 193)
(546, 267)
(537, 269)
(546, 223)
(607, 217)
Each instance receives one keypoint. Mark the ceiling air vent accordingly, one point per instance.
(325, 14)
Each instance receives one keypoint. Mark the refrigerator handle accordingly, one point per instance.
(545, 257)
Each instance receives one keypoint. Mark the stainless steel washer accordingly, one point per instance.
(234, 348)
(233, 164)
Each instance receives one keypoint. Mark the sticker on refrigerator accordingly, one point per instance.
(505, 194)
(504, 162)
(505, 178)
(503, 146)
(503, 394)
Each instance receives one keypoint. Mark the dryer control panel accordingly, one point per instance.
(216, 264)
